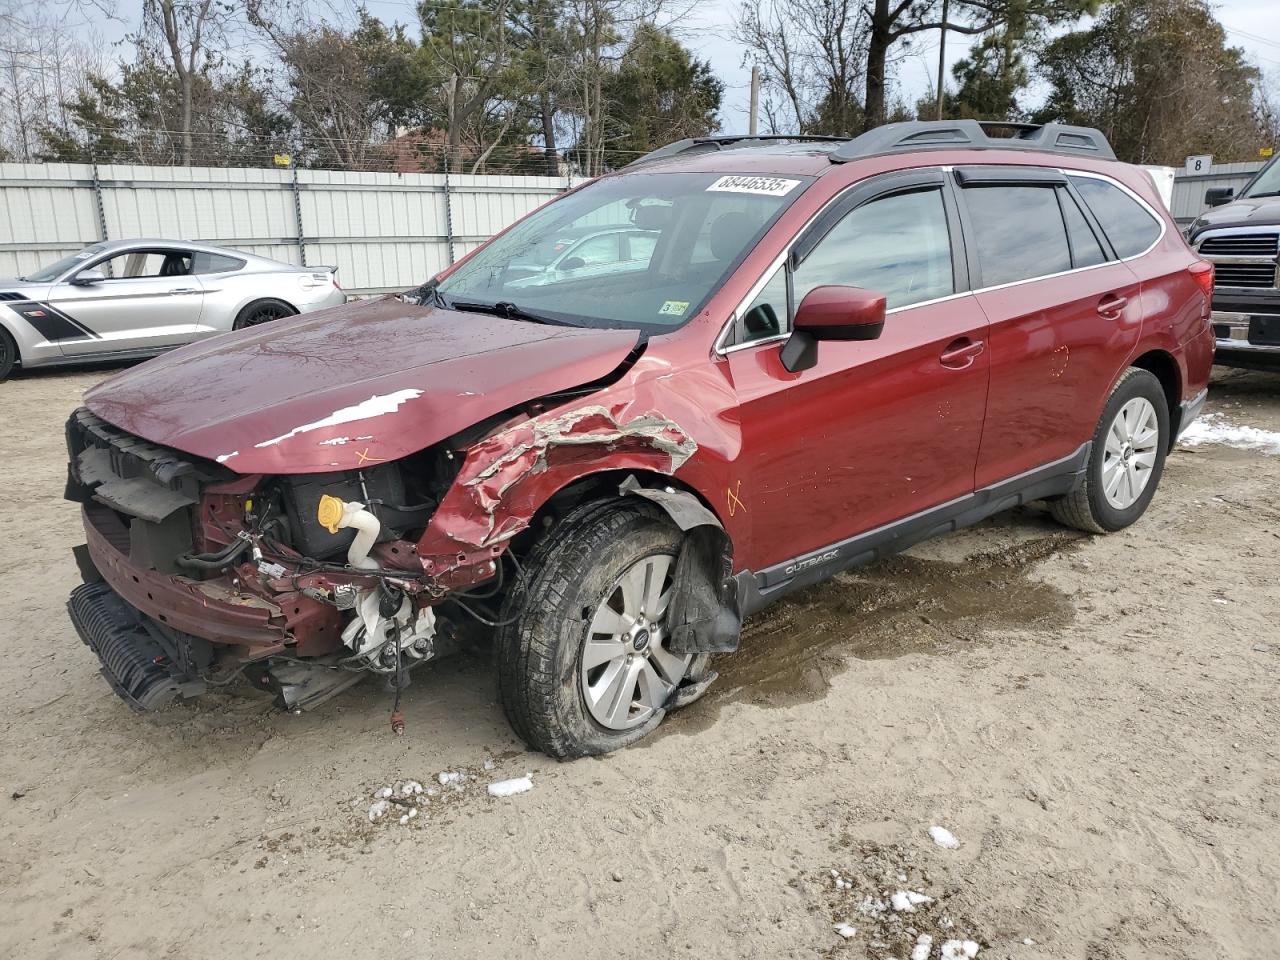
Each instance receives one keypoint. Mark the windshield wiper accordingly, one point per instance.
(509, 310)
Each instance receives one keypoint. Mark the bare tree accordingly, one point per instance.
(186, 35)
(811, 53)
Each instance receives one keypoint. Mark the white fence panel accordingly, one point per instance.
(384, 231)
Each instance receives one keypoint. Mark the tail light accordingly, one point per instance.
(1202, 271)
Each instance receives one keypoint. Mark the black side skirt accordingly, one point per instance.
(757, 590)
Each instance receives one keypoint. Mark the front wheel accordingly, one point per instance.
(1126, 461)
(584, 668)
(8, 354)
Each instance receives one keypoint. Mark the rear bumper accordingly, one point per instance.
(209, 609)
(1231, 330)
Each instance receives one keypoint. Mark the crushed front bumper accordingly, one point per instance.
(203, 608)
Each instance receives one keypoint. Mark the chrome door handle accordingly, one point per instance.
(180, 290)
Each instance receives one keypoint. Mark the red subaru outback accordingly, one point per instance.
(641, 414)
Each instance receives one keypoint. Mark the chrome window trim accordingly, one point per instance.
(720, 349)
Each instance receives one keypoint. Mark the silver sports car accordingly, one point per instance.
(126, 299)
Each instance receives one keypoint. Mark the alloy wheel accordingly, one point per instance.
(627, 672)
(1130, 453)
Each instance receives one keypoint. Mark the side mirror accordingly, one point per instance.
(1217, 196)
(832, 313)
(573, 263)
(86, 278)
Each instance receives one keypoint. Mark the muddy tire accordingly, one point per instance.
(583, 668)
(8, 354)
(1126, 461)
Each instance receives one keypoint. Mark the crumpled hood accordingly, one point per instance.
(347, 387)
(1264, 211)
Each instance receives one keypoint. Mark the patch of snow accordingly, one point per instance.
(509, 788)
(907, 900)
(375, 406)
(944, 838)
(924, 943)
(1029, 942)
(383, 793)
(1215, 428)
(846, 931)
(378, 809)
(449, 776)
(959, 950)
(411, 788)
(488, 764)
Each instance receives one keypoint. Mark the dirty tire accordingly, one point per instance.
(262, 311)
(8, 354)
(563, 580)
(1087, 508)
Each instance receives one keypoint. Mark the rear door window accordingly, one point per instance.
(1018, 232)
(215, 263)
(1127, 224)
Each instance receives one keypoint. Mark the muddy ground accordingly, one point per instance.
(1095, 719)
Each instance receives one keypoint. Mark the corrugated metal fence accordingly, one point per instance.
(384, 231)
(1188, 188)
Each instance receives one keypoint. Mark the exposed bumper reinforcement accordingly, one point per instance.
(133, 661)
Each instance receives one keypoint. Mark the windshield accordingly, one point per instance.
(55, 270)
(642, 251)
(1268, 182)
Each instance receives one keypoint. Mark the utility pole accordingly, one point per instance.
(942, 58)
(755, 100)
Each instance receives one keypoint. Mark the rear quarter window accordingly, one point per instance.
(1127, 224)
(215, 263)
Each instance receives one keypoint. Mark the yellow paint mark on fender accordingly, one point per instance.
(735, 503)
(365, 458)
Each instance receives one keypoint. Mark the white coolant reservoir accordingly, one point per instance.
(335, 514)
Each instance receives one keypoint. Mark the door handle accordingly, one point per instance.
(961, 352)
(1110, 305)
(180, 290)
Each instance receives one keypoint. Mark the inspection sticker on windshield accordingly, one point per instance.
(674, 308)
(764, 186)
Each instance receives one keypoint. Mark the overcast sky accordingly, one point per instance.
(1251, 24)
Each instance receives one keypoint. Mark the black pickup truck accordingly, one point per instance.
(1241, 235)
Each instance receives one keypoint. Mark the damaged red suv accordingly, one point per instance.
(641, 414)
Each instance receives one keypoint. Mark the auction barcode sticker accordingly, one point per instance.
(764, 186)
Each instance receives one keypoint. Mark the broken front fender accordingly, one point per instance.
(508, 476)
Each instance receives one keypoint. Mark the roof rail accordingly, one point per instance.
(707, 144)
(953, 134)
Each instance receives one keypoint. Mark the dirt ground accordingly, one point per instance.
(1095, 719)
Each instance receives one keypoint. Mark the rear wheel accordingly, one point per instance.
(262, 311)
(584, 668)
(8, 354)
(1126, 461)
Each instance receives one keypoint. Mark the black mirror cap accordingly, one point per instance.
(1217, 196)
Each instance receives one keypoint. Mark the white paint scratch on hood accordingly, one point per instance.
(364, 410)
(224, 457)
